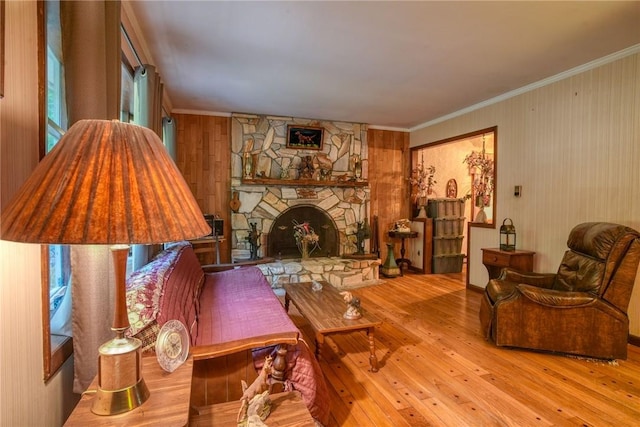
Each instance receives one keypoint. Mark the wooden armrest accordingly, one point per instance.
(211, 351)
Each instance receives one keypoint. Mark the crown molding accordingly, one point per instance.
(376, 127)
(200, 112)
(536, 85)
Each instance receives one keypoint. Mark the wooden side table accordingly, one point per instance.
(168, 403)
(495, 260)
(205, 247)
(402, 235)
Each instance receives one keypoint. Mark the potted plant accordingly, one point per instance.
(422, 181)
(481, 168)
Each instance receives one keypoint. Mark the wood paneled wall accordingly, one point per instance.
(203, 145)
(388, 173)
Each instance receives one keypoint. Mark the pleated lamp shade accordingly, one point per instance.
(105, 182)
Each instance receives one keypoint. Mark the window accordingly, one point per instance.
(59, 262)
(56, 264)
(56, 114)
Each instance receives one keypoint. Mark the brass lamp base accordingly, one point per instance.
(107, 402)
(121, 387)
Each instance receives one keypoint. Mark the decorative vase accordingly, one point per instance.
(390, 268)
(481, 216)
(422, 213)
(304, 249)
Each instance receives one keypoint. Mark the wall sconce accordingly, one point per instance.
(507, 236)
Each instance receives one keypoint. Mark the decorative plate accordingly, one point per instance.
(172, 345)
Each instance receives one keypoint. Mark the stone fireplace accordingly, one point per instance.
(273, 191)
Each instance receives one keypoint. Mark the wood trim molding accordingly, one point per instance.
(2, 37)
(475, 288)
(303, 182)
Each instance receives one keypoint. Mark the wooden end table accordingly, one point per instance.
(495, 260)
(402, 235)
(168, 403)
(324, 309)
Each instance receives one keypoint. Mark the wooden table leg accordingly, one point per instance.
(319, 343)
(279, 368)
(287, 299)
(373, 360)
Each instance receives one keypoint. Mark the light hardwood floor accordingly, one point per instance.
(437, 370)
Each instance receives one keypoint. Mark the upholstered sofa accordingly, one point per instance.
(581, 309)
(226, 312)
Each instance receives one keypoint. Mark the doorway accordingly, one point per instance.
(464, 167)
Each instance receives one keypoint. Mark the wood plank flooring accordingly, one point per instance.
(437, 370)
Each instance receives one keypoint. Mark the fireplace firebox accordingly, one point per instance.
(281, 240)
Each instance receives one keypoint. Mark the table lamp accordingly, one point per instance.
(113, 183)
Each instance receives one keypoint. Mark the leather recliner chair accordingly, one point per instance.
(580, 310)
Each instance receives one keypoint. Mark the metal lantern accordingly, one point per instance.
(507, 236)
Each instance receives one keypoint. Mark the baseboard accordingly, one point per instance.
(475, 288)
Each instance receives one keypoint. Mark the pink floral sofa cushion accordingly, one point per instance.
(146, 286)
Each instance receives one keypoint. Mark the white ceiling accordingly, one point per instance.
(389, 64)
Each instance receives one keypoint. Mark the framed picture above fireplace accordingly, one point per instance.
(305, 137)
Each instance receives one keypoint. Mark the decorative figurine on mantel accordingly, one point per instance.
(305, 170)
(322, 167)
(253, 238)
(353, 306)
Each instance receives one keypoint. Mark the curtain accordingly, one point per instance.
(93, 293)
(169, 136)
(147, 100)
(91, 57)
(147, 111)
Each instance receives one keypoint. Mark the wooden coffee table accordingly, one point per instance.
(324, 309)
